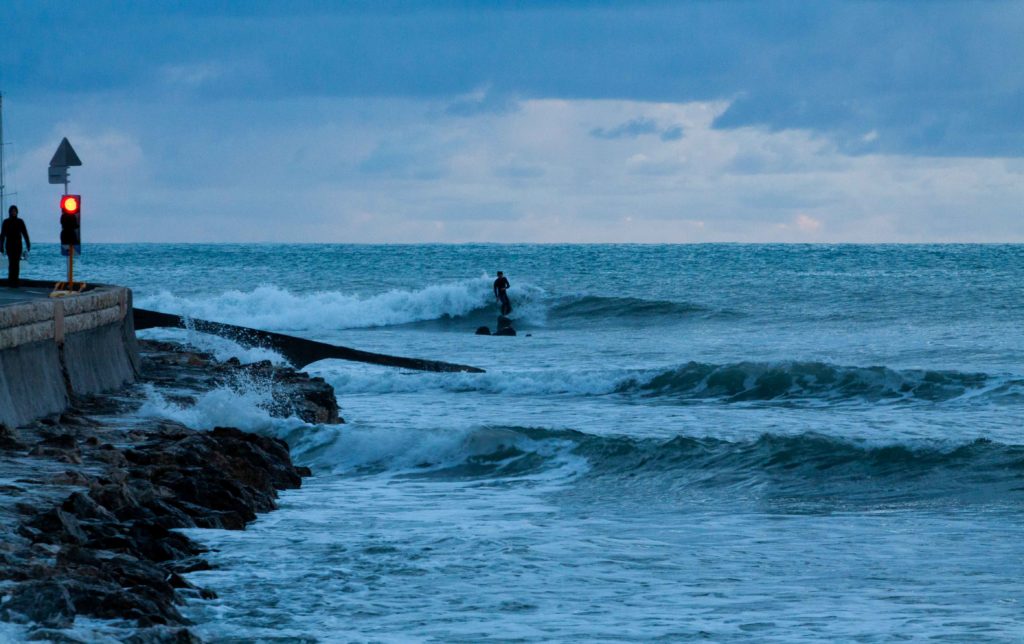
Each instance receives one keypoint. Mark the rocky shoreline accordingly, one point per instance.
(90, 502)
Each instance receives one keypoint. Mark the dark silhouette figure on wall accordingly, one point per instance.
(11, 232)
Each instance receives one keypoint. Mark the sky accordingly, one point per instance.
(405, 122)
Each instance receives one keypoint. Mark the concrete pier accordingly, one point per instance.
(54, 348)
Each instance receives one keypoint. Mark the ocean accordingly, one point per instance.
(766, 443)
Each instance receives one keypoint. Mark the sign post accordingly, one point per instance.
(70, 214)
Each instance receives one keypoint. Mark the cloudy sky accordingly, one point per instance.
(520, 121)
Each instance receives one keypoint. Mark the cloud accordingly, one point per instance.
(932, 78)
(401, 170)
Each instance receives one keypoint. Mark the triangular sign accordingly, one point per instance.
(65, 155)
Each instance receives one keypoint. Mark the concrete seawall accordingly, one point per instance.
(54, 348)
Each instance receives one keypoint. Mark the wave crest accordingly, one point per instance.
(273, 308)
(757, 381)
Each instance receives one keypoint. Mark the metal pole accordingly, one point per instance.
(71, 247)
(3, 186)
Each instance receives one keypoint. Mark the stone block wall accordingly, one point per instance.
(53, 349)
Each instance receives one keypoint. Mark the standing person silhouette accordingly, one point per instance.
(11, 232)
(501, 286)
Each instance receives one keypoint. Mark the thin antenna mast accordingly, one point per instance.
(3, 186)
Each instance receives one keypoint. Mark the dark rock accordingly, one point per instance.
(109, 600)
(117, 498)
(71, 477)
(30, 533)
(483, 330)
(112, 457)
(297, 393)
(119, 570)
(45, 602)
(59, 441)
(9, 438)
(156, 543)
(504, 322)
(58, 526)
(506, 331)
(61, 454)
(26, 508)
(169, 515)
(84, 507)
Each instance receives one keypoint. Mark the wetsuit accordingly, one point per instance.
(500, 287)
(11, 232)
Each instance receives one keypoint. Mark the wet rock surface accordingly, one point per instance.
(89, 507)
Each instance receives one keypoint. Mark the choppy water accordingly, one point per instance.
(764, 443)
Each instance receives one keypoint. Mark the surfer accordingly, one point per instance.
(501, 286)
(11, 232)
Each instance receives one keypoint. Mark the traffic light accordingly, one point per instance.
(71, 224)
(71, 205)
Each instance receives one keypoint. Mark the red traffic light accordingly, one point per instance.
(71, 205)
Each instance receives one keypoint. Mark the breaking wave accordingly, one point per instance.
(276, 309)
(805, 468)
(459, 305)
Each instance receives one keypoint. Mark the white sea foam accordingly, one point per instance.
(270, 307)
(221, 348)
(244, 404)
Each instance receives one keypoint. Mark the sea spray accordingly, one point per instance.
(221, 348)
(244, 401)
